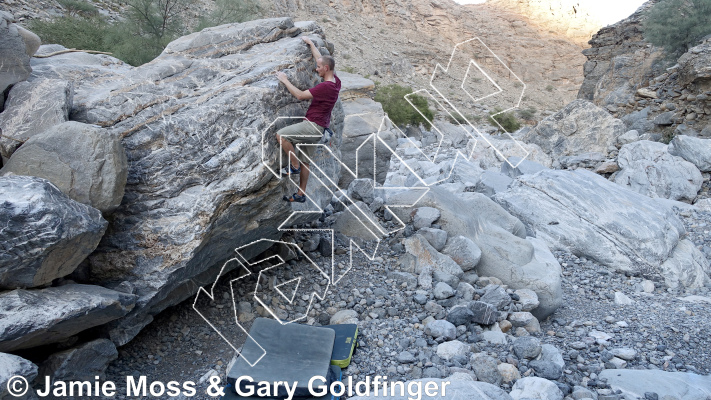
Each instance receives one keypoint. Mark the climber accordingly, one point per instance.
(318, 118)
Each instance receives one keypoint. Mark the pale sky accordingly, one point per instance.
(608, 11)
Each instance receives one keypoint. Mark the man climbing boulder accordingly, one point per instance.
(318, 118)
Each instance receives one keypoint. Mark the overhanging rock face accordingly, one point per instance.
(192, 123)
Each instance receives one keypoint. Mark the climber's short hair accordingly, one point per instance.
(328, 60)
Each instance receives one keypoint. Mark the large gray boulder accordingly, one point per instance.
(648, 168)
(14, 60)
(354, 86)
(692, 149)
(454, 390)
(45, 234)
(490, 152)
(200, 175)
(429, 259)
(11, 366)
(30, 318)
(686, 266)
(579, 127)
(81, 363)
(365, 138)
(589, 216)
(32, 108)
(679, 385)
(501, 237)
(694, 64)
(535, 388)
(85, 162)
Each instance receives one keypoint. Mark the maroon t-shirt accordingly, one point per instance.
(325, 96)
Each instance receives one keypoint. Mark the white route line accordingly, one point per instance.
(319, 175)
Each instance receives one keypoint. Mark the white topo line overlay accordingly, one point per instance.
(345, 200)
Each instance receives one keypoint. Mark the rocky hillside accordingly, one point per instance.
(653, 95)
(573, 19)
(401, 42)
(567, 261)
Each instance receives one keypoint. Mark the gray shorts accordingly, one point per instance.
(306, 133)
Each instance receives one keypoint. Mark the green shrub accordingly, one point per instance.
(401, 113)
(148, 27)
(78, 7)
(457, 118)
(505, 120)
(549, 88)
(231, 11)
(527, 114)
(677, 25)
(85, 33)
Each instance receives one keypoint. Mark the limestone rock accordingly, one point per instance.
(619, 62)
(488, 153)
(527, 347)
(27, 101)
(579, 127)
(694, 150)
(516, 166)
(30, 318)
(199, 182)
(441, 329)
(686, 267)
(354, 86)
(81, 363)
(535, 388)
(492, 182)
(628, 137)
(680, 385)
(10, 366)
(485, 369)
(528, 299)
(436, 237)
(46, 234)
(693, 65)
(13, 54)
(646, 92)
(424, 217)
(361, 189)
(84, 162)
(496, 296)
(442, 291)
(483, 313)
(344, 317)
(506, 254)
(648, 168)
(428, 257)
(581, 212)
(463, 251)
(450, 350)
(509, 373)
(361, 133)
(584, 160)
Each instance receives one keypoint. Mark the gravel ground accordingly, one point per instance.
(656, 330)
(663, 331)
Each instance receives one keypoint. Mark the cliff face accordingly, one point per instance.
(619, 62)
(629, 77)
(570, 18)
(401, 42)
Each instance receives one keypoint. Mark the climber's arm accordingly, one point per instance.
(314, 50)
(299, 94)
